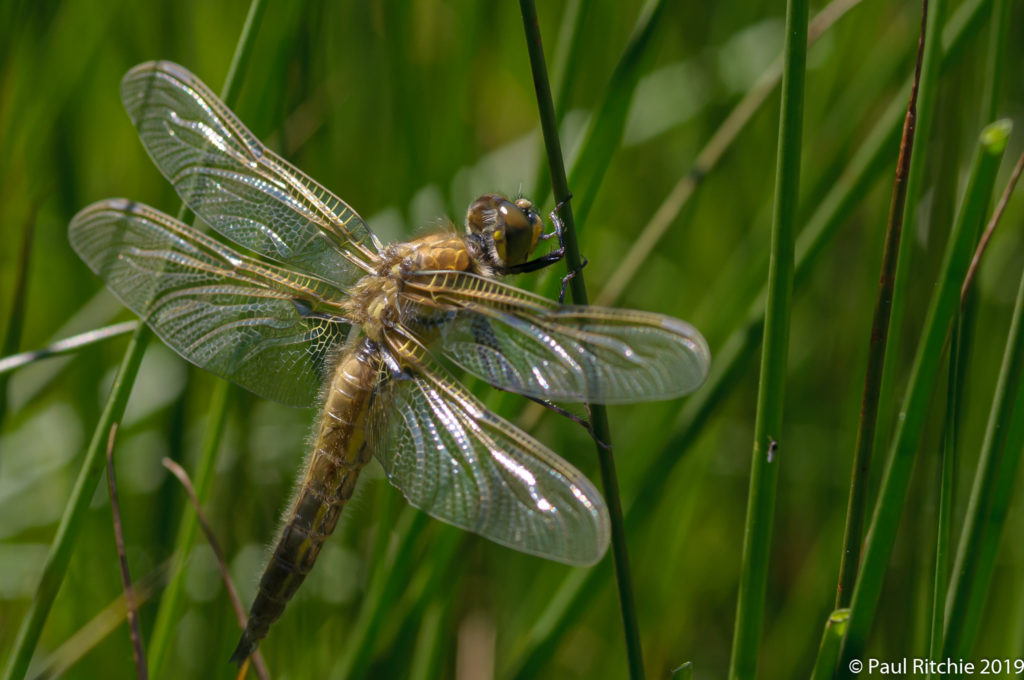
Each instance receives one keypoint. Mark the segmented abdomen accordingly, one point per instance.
(334, 464)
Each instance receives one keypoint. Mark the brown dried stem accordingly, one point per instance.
(258, 665)
(131, 606)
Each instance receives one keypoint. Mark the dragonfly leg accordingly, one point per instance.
(395, 368)
(569, 277)
(560, 233)
(552, 257)
(582, 422)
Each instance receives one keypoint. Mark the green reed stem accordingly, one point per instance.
(598, 414)
(947, 485)
(931, 70)
(566, 62)
(604, 136)
(998, 35)
(568, 603)
(428, 654)
(171, 602)
(385, 587)
(877, 343)
(772, 385)
(16, 319)
(56, 564)
(57, 559)
(991, 491)
(831, 643)
(943, 307)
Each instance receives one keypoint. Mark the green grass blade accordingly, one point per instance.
(72, 344)
(947, 482)
(931, 70)
(566, 63)
(831, 643)
(872, 159)
(708, 157)
(942, 309)
(59, 556)
(990, 495)
(684, 672)
(998, 35)
(771, 388)
(598, 413)
(385, 588)
(604, 135)
(171, 602)
(428, 654)
(63, 544)
(16, 319)
(877, 342)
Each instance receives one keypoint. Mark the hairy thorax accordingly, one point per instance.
(374, 300)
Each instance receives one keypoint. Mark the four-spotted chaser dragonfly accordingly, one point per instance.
(308, 307)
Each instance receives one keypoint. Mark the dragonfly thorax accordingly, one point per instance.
(375, 301)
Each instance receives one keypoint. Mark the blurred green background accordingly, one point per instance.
(408, 110)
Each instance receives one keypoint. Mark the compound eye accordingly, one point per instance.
(520, 231)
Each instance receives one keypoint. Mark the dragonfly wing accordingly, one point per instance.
(463, 464)
(233, 182)
(524, 343)
(246, 321)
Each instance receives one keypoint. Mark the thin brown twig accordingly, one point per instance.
(258, 665)
(990, 228)
(100, 626)
(131, 606)
(868, 422)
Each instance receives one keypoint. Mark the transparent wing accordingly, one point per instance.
(527, 344)
(254, 324)
(242, 189)
(462, 464)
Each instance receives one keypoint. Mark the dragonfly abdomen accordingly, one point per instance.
(338, 456)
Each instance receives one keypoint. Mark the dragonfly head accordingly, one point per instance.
(508, 230)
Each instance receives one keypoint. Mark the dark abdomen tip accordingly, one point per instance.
(246, 646)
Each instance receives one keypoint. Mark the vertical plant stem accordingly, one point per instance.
(771, 388)
(876, 346)
(16, 319)
(218, 553)
(991, 491)
(999, 30)
(831, 643)
(170, 603)
(941, 311)
(566, 60)
(604, 136)
(598, 414)
(59, 555)
(991, 227)
(56, 564)
(931, 70)
(130, 604)
(569, 601)
(707, 159)
(384, 589)
(428, 654)
(958, 356)
(944, 522)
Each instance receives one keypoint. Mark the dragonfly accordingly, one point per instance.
(301, 303)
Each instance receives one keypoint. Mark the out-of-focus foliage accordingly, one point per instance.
(408, 110)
